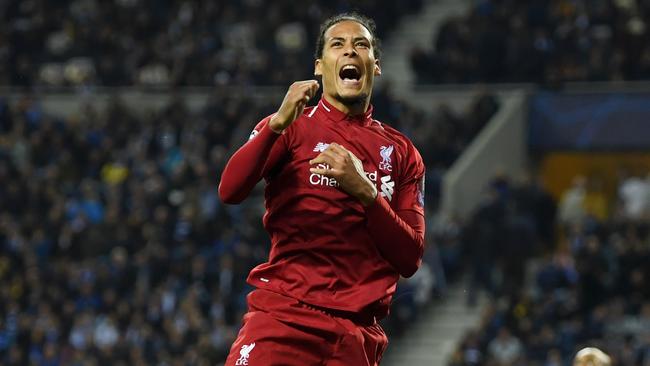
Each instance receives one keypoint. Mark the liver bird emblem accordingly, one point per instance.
(244, 354)
(386, 152)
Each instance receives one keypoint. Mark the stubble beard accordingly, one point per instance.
(353, 101)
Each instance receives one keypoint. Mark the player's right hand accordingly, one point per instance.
(294, 103)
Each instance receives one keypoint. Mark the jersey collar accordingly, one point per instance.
(335, 115)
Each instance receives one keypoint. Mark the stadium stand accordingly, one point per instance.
(545, 42)
(168, 43)
(591, 289)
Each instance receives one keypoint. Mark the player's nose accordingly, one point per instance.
(349, 50)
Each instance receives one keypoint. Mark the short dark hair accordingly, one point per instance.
(368, 23)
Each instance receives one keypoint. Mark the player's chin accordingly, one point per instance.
(352, 93)
(351, 98)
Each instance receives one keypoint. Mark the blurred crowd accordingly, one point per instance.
(589, 289)
(541, 41)
(168, 42)
(114, 247)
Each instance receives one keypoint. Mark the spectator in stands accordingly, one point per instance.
(504, 231)
(595, 201)
(558, 273)
(481, 241)
(634, 195)
(505, 349)
(572, 203)
(469, 354)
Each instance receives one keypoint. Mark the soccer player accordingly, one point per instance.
(344, 209)
(591, 356)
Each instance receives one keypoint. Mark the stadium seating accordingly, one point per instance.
(168, 43)
(546, 42)
(589, 289)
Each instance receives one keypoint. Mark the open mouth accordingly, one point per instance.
(350, 74)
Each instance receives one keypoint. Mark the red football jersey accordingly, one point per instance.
(327, 249)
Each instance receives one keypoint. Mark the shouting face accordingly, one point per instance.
(348, 66)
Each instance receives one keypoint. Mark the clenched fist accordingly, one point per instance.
(347, 169)
(294, 103)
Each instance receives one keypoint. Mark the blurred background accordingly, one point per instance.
(117, 117)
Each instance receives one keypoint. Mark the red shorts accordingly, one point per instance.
(282, 331)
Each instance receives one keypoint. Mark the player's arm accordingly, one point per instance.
(261, 153)
(399, 234)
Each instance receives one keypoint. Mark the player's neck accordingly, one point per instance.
(351, 109)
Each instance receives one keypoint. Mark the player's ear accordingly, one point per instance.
(377, 68)
(318, 68)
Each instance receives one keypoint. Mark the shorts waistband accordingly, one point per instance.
(363, 319)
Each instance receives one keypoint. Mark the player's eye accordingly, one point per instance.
(362, 44)
(337, 44)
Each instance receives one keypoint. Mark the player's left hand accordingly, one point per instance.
(342, 165)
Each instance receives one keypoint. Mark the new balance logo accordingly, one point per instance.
(387, 187)
(321, 146)
(244, 353)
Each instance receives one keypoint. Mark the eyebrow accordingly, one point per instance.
(353, 39)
